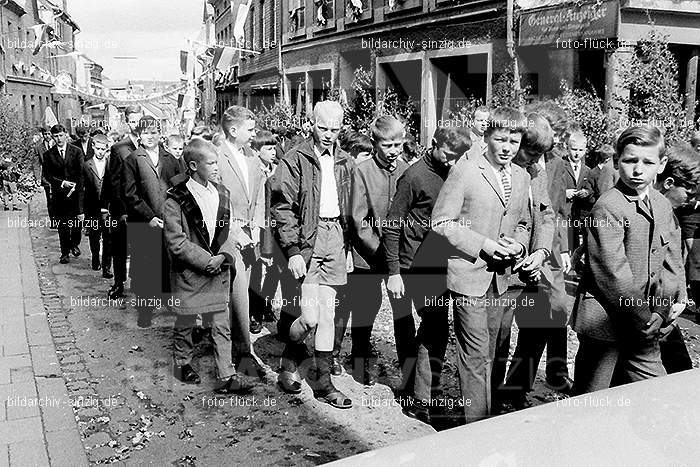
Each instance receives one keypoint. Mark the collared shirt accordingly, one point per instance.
(239, 158)
(85, 146)
(100, 164)
(62, 152)
(542, 162)
(330, 206)
(153, 155)
(134, 140)
(497, 173)
(207, 199)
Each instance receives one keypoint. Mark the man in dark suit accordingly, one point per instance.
(117, 209)
(40, 149)
(63, 169)
(96, 198)
(144, 195)
(83, 142)
(575, 178)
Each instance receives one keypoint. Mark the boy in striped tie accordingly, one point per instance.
(483, 212)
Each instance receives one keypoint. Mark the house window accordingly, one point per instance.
(253, 29)
(273, 23)
(297, 11)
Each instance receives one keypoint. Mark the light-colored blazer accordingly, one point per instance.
(247, 205)
(632, 256)
(470, 209)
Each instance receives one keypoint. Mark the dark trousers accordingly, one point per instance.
(49, 203)
(674, 353)
(68, 233)
(290, 311)
(256, 300)
(541, 313)
(99, 229)
(183, 346)
(149, 270)
(120, 249)
(602, 364)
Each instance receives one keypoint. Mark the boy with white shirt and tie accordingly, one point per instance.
(96, 200)
(197, 235)
(241, 173)
(483, 212)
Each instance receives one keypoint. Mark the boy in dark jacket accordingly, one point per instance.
(196, 229)
(96, 200)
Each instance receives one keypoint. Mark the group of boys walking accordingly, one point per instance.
(485, 216)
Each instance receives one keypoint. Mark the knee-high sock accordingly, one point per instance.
(299, 330)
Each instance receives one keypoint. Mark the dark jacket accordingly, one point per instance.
(373, 190)
(601, 179)
(144, 188)
(55, 170)
(172, 167)
(296, 197)
(190, 249)
(557, 195)
(408, 242)
(40, 148)
(96, 189)
(87, 155)
(118, 154)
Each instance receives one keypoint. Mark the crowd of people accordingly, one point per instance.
(488, 222)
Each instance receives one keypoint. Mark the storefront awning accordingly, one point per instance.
(569, 22)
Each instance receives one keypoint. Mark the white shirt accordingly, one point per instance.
(497, 173)
(85, 146)
(153, 155)
(207, 199)
(542, 163)
(239, 158)
(330, 207)
(100, 164)
(62, 151)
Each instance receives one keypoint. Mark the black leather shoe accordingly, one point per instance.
(64, 259)
(363, 375)
(419, 411)
(75, 251)
(255, 326)
(96, 265)
(336, 367)
(234, 385)
(107, 274)
(117, 291)
(562, 384)
(269, 315)
(186, 374)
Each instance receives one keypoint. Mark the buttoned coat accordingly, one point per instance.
(471, 209)
(634, 265)
(144, 187)
(96, 188)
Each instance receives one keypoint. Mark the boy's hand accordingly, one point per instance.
(565, 263)
(530, 267)
(297, 266)
(515, 248)
(495, 250)
(156, 223)
(653, 326)
(570, 193)
(214, 265)
(395, 287)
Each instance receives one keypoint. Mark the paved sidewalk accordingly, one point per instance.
(37, 423)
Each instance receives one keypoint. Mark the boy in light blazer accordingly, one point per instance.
(196, 231)
(633, 273)
(482, 210)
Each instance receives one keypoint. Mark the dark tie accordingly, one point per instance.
(506, 185)
(532, 170)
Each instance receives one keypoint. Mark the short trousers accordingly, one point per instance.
(328, 263)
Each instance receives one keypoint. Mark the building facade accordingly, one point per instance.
(23, 78)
